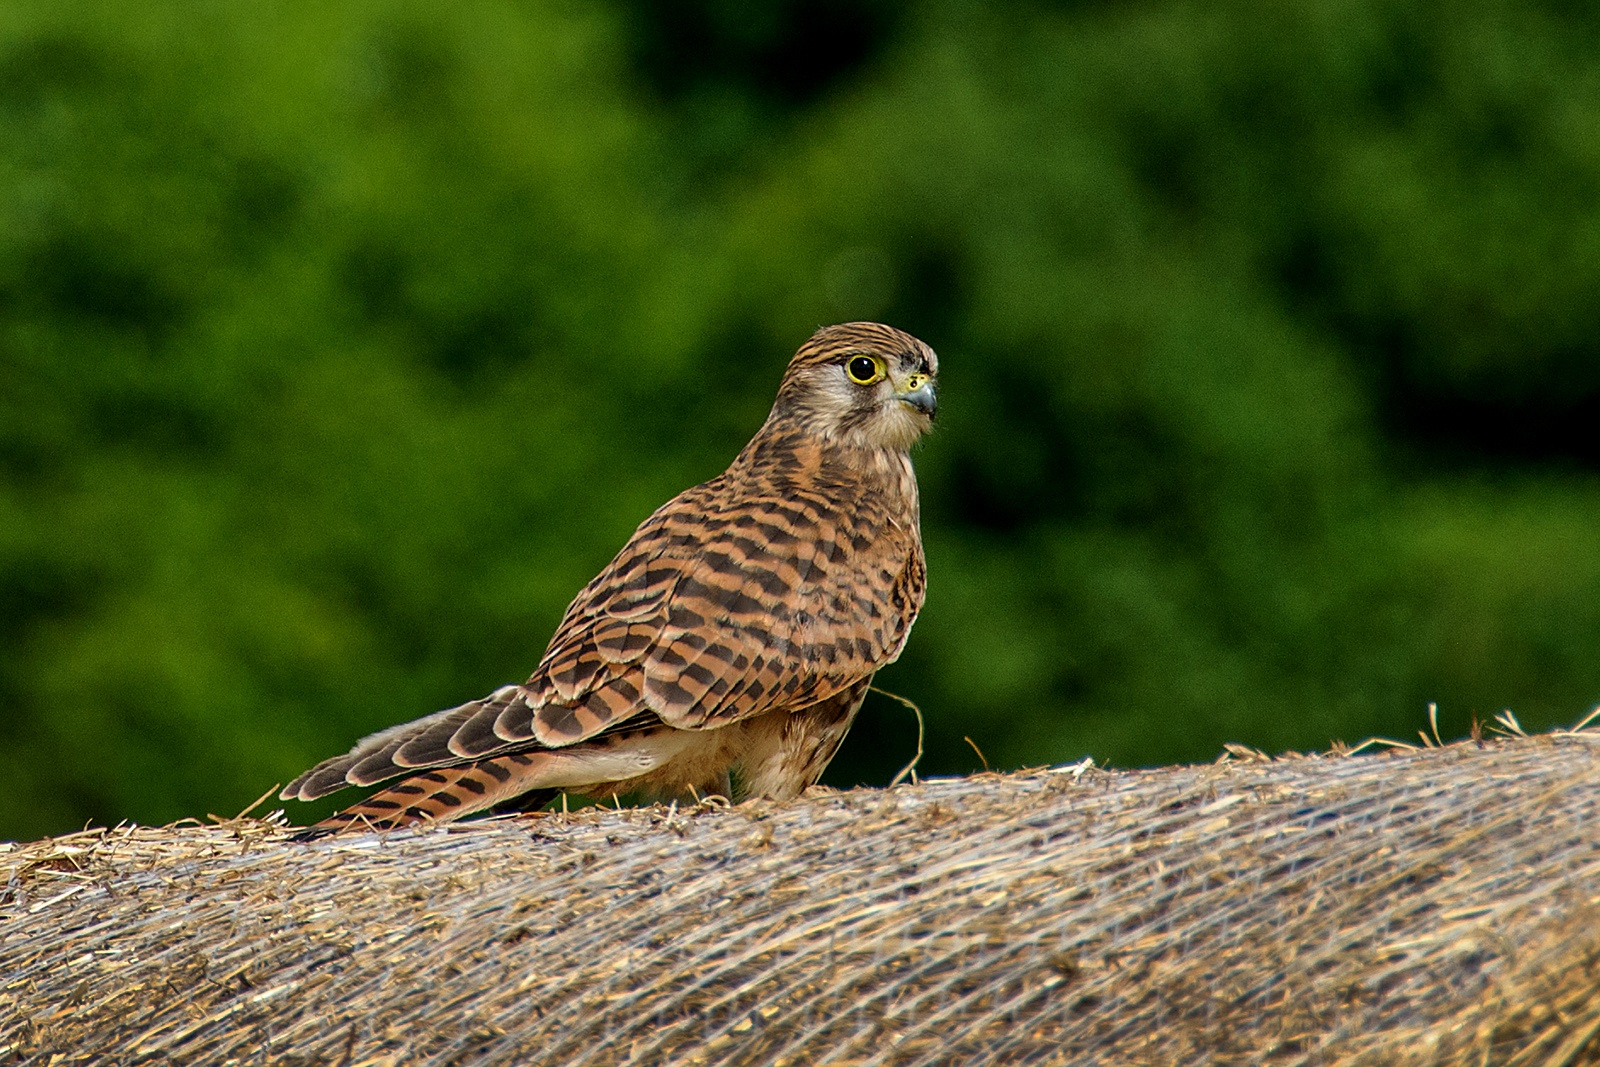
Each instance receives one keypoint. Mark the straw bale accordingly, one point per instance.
(1433, 906)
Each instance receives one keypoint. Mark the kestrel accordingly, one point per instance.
(736, 631)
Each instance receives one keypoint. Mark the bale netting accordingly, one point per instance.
(1408, 907)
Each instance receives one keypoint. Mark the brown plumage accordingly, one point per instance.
(737, 630)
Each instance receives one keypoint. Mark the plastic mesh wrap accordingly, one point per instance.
(1430, 906)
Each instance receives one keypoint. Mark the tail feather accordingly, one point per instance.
(440, 795)
(630, 752)
(371, 760)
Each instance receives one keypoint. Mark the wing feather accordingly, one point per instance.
(730, 601)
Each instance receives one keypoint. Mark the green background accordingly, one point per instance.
(340, 344)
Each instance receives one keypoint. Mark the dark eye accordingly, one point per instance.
(864, 370)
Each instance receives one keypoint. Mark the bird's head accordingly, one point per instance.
(861, 383)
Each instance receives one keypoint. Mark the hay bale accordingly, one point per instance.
(1431, 906)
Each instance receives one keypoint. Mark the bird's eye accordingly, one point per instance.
(864, 370)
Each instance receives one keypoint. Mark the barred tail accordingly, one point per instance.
(442, 794)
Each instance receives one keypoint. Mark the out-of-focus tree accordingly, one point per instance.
(339, 348)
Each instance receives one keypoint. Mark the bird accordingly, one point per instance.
(733, 637)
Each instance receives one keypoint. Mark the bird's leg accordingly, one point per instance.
(716, 785)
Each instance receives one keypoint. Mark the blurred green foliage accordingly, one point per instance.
(340, 344)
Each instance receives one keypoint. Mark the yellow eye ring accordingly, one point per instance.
(864, 370)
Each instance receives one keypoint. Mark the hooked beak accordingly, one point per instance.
(922, 398)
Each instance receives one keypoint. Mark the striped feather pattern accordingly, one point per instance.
(773, 591)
